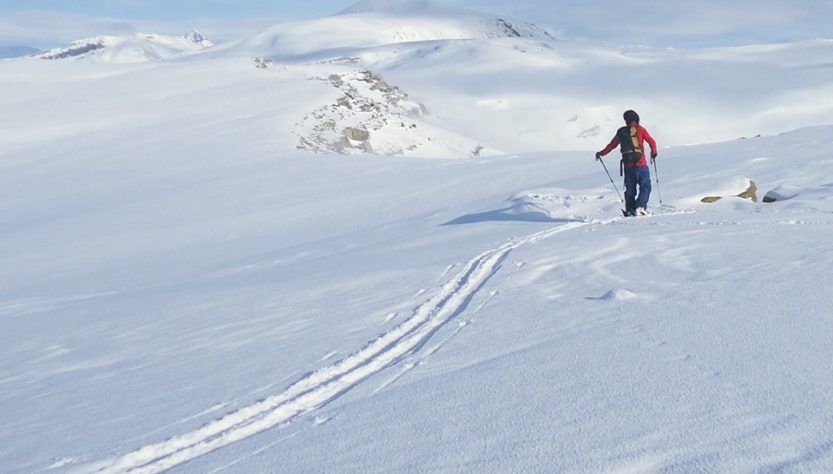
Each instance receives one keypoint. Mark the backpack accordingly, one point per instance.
(629, 144)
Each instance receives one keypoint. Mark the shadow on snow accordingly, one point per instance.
(506, 215)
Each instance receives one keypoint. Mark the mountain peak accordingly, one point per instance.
(198, 39)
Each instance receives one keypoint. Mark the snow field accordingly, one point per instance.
(181, 288)
(534, 298)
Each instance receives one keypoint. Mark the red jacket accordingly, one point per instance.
(643, 137)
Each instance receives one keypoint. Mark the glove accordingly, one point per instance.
(653, 155)
(598, 155)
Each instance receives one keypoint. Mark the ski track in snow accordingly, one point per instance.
(329, 383)
(217, 407)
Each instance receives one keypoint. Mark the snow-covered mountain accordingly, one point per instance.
(372, 24)
(530, 92)
(15, 51)
(472, 25)
(134, 48)
(480, 84)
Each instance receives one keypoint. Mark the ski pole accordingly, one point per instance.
(659, 194)
(611, 181)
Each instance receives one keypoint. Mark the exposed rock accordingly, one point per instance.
(369, 103)
(356, 134)
(344, 102)
(335, 80)
(199, 39)
(73, 51)
(370, 115)
(750, 193)
(263, 63)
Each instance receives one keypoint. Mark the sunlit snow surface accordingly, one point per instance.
(182, 288)
(134, 48)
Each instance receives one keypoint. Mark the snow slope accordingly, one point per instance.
(370, 24)
(182, 288)
(532, 93)
(135, 48)
(574, 93)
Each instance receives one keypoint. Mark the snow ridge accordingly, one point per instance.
(329, 383)
(336, 36)
(480, 25)
(135, 48)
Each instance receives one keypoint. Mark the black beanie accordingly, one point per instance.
(631, 116)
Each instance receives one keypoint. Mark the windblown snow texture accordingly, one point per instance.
(199, 274)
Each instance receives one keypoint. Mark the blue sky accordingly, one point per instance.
(678, 23)
(178, 10)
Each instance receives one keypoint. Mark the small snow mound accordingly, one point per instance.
(618, 294)
(781, 193)
(320, 420)
(548, 205)
(529, 207)
(557, 203)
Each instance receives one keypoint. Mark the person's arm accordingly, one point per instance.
(610, 146)
(653, 144)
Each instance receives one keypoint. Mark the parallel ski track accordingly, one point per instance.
(328, 383)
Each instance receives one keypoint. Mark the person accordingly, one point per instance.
(631, 139)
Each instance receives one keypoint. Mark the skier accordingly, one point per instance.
(630, 139)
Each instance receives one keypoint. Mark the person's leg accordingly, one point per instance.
(630, 190)
(642, 175)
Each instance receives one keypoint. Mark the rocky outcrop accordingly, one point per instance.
(370, 115)
(750, 193)
(263, 63)
(73, 51)
(367, 104)
(356, 134)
